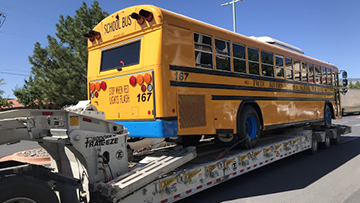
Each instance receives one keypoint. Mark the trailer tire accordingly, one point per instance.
(20, 188)
(314, 145)
(327, 116)
(327, 143)
(249, 129)
(337, 140)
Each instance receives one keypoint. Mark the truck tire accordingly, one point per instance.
(248, 127)
(25, 189)
(327, 116)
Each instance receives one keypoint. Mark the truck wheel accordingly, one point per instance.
(326, 144)
(249, 127)
(327, 116)
(25, 189)
(314, 145)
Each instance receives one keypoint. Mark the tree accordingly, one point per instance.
(3, 101)
(58, 73)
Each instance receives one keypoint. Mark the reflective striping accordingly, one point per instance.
(209, 183)
(199, 187)
(187, 192)
(217, 180)
(260, 163)
(248, 168)
(255, 165)
(164, 201)
(87, 120)
(242, 171)
(177, 196)
(266, 161)
(234, 173)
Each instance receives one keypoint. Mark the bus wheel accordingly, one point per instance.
(327, 116)
(189, 140)
(26, 189)
(249, 127)
(226, 139)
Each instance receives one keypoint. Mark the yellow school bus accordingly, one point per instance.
(162, 74)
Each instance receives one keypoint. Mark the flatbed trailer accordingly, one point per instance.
(90, 161)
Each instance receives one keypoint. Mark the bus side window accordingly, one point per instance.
(289, 69)
(222, 50)
(279, 60)
(253, 57)
(335, 79)
(311, 73)
(239, 58)
(267, 64)
(318, 75)
(203, 51)
(297, 70)
(329, 74)
(304, 73)
(324, 78)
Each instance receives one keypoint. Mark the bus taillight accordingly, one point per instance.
(143, 88)
(140, 79)
(147, 78)
(92, 87)
(132, 80)
(103, 85)
(97, 86)
(146, 14)
(140, 19)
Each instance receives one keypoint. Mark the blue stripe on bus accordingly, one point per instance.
(150, 129)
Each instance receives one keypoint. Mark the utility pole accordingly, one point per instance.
(2, 18)
(234, 13)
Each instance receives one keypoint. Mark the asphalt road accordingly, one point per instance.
(331, 175)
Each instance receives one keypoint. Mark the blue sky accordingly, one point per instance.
(328, 30)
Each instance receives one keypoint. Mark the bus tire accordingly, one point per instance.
(248, 127)
(327, 116)
(20, 188)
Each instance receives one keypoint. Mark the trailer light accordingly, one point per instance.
(140, 79)
(97, 86)
(149, 112)
(140, 19)
(146, 14)
(103, 85)
(143, 88)
(132, 80)
(149, 88)
(92, 87)
(96, 94)
(147, 78)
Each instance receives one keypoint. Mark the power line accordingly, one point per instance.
(19, 74)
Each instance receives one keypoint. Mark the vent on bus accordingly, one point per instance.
(191, 111)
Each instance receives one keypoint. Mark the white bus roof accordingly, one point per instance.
(278, 43)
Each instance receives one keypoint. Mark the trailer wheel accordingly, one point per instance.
(327, 116)
(337, 140)
(314, 145)
(249, 127)
(25, 189)
(326, 144)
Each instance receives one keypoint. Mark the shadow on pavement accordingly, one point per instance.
(292, 173)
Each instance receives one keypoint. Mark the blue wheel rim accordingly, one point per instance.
(250, 126)
(328, 116)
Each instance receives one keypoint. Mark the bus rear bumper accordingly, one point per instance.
(151, 129)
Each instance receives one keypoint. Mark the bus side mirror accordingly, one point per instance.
(345, 82)
(344, 91)
(344, 74)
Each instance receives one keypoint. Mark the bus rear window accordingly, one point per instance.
(121, 56)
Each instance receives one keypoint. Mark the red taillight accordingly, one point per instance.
(103, 85)
(132, 80)
(146, 14)
(173, 110)
(143, 88)
(149, 112)
(96, 94)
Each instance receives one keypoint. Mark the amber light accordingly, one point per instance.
(147, 78)
(103, 85)
(92, 87)
(140, 79)
(97, 86)
(132, 80)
